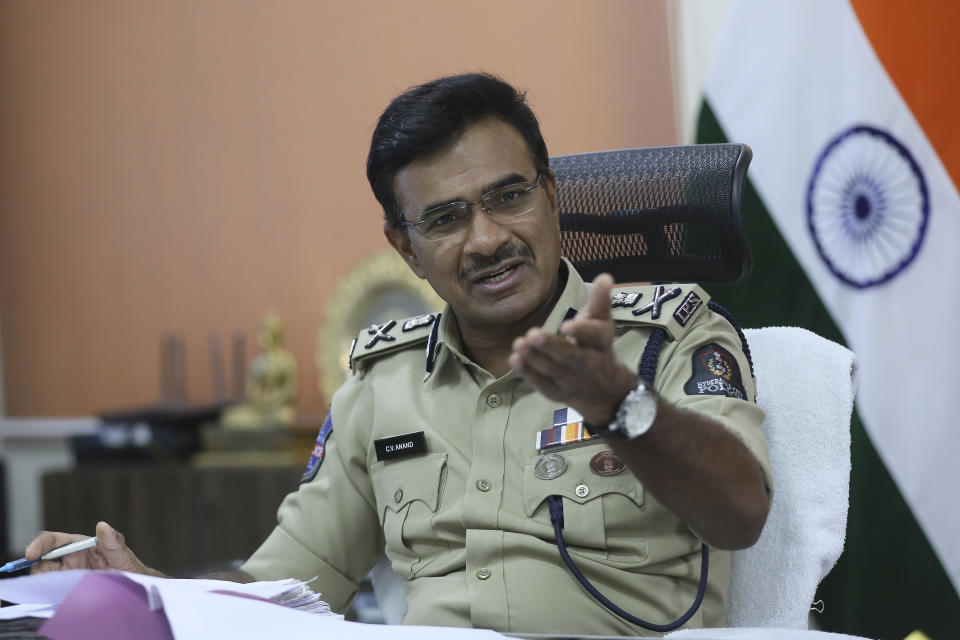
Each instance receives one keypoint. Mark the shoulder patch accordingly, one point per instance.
(382, 339)
(715, 372)
(319, 450)
(670, 306)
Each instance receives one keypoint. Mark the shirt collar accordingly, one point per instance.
(449, 343)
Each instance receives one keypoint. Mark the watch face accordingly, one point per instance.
(640, 413)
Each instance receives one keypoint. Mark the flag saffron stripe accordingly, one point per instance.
(917, 45)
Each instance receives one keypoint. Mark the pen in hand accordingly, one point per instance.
(73, 547)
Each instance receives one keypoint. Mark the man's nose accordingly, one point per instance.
(485, 235)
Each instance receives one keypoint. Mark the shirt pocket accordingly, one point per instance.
(596, 508)
(408, 496)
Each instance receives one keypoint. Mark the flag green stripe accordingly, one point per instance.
(888, 582)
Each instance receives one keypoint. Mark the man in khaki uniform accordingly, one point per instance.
(456, 429)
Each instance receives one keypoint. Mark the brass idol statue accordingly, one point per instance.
(271, 391)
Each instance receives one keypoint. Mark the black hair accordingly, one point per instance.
(430, 116)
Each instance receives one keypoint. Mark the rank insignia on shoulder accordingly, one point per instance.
(416, 323)
(660, 295)
(687, 308)
(383, 340)
(380, 332)
(715, 373)
(567, 429)
(625, 299)
(319, 450)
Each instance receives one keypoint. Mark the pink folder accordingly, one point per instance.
(106, 607)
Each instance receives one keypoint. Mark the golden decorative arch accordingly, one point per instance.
(380, 287)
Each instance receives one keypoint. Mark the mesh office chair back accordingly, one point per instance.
(659, 214)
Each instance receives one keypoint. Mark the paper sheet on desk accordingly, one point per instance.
(43, 588)
(194, 611)
(52, 588)
(27, 611)
(279, 590)
(212, 615)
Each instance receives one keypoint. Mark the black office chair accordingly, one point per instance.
(660, 214)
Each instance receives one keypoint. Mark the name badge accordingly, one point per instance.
(396, 447)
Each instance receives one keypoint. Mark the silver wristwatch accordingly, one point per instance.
(636, 414)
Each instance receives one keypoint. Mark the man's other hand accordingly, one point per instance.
(577, 366)
(111, 552)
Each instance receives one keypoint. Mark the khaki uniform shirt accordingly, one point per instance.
(466, 523)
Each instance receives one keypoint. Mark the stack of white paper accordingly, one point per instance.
(38, 595)
(211, 609)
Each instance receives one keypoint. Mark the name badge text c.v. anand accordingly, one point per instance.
(401, 446)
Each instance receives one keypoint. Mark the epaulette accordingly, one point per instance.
(671, 306)
(394, 335)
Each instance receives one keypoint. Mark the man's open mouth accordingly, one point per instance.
(497, 276)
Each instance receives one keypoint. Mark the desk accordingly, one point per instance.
(21, 629)
(25, 629)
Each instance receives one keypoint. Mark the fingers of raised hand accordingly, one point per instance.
(594, 334)
(598, 305)
(540, 371)
(544, 352)
(528, 358)
(553, 364)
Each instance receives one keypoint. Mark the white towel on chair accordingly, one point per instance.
(806, 384)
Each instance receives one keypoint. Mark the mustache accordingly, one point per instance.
(504, 252)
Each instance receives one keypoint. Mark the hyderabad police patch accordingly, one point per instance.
(319, 448)
(715, 373)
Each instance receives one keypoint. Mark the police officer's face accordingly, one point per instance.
(498, 276)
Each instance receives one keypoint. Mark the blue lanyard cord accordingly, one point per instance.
(556, 518)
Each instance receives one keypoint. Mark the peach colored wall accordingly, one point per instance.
(188, 165)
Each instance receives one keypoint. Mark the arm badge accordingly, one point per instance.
(715, 373)
(319, 450)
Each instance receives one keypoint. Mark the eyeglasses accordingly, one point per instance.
(451, 221)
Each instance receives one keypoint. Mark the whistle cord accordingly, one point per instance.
(556, 518)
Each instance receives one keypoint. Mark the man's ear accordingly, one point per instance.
(400, 241)
(550, 185)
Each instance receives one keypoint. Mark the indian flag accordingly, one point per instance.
(854, 216)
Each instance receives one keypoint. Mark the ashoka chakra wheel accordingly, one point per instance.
(867, 206)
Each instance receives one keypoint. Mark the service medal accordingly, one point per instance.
(550, 466)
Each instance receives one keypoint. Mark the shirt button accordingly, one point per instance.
(493, 400)
(483, 485)
(582, 490)
(398, 496)
(483, 574)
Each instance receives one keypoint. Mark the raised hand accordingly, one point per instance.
(111, 552)
(577, 366)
